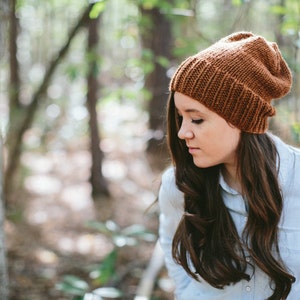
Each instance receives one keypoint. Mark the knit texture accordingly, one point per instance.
(237, 77)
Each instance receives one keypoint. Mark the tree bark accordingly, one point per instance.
(159, 39)
(3, 264)
(98, 182)
(13, 61)
(4, 20)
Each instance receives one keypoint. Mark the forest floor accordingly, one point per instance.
(47, 235)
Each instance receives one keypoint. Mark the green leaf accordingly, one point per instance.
(163, 61)
(112, 226)
(148, 237)
(278, 10)
(97, 9)
(134, 229)
(76, 282)
(106, 270)
(139, 231)
(121, 241)
(73, 72)
(147, 54)
(99, 226)
(236, 2)
(73, 285)
(108, 227)
(108, 292)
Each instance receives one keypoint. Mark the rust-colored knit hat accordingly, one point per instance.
(237, 77)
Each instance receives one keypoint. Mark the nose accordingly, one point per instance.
(185, 132)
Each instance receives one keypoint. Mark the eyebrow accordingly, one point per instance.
(191, 110)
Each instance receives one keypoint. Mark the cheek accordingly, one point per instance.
(230, 140)
(221, 142)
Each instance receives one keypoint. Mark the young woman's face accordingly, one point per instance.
(209, 138)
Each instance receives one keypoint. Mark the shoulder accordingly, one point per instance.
(169, 194)
(285, 150)
(171, 205)
(289, 158)
(289, 177)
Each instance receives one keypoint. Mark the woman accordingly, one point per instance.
(230, 202)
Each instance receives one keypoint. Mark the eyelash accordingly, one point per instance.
(199, 121)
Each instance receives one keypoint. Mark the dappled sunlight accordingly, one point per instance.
(61, 203)
(58, 204)
(78, 197)
(45, 211)
(42, 184)
(115, 169)
(125, 128)
(37, 214)
(37, 162)
(46, 257)
(85, 244)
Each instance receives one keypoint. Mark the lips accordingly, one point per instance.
(193, 150)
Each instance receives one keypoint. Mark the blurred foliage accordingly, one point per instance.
(291, 17)
(97, 9)
(101, 274)
(73, 285)
(296, 132)
(122, 62)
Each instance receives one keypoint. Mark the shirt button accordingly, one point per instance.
(248, 259)
(248, 288)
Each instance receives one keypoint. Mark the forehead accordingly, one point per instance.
(187, 104)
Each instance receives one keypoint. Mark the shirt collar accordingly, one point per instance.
(233, 200)
(225, 186)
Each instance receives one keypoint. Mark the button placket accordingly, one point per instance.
(248, 289)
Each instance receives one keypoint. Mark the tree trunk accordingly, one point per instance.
(159, 39)
(15, 107)
(13, 61)
(98, 182)
(3, 266)
(4, 20)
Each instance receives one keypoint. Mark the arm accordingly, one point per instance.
(171, 203)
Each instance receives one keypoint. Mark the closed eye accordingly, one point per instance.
(198, 121)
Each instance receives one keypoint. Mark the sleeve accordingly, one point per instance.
(171, 203)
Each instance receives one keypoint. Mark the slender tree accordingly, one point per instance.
(4, 16)
(3, 264)
(158, 38)
(98, 182)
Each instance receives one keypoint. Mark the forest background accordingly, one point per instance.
(83, 88)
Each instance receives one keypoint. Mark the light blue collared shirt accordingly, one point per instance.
(171, 209)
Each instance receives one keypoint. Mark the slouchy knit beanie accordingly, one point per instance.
(237, 77)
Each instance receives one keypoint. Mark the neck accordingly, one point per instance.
(231, 177)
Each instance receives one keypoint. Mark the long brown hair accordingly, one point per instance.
(206, 234)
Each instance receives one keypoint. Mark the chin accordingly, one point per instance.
(204, 164)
